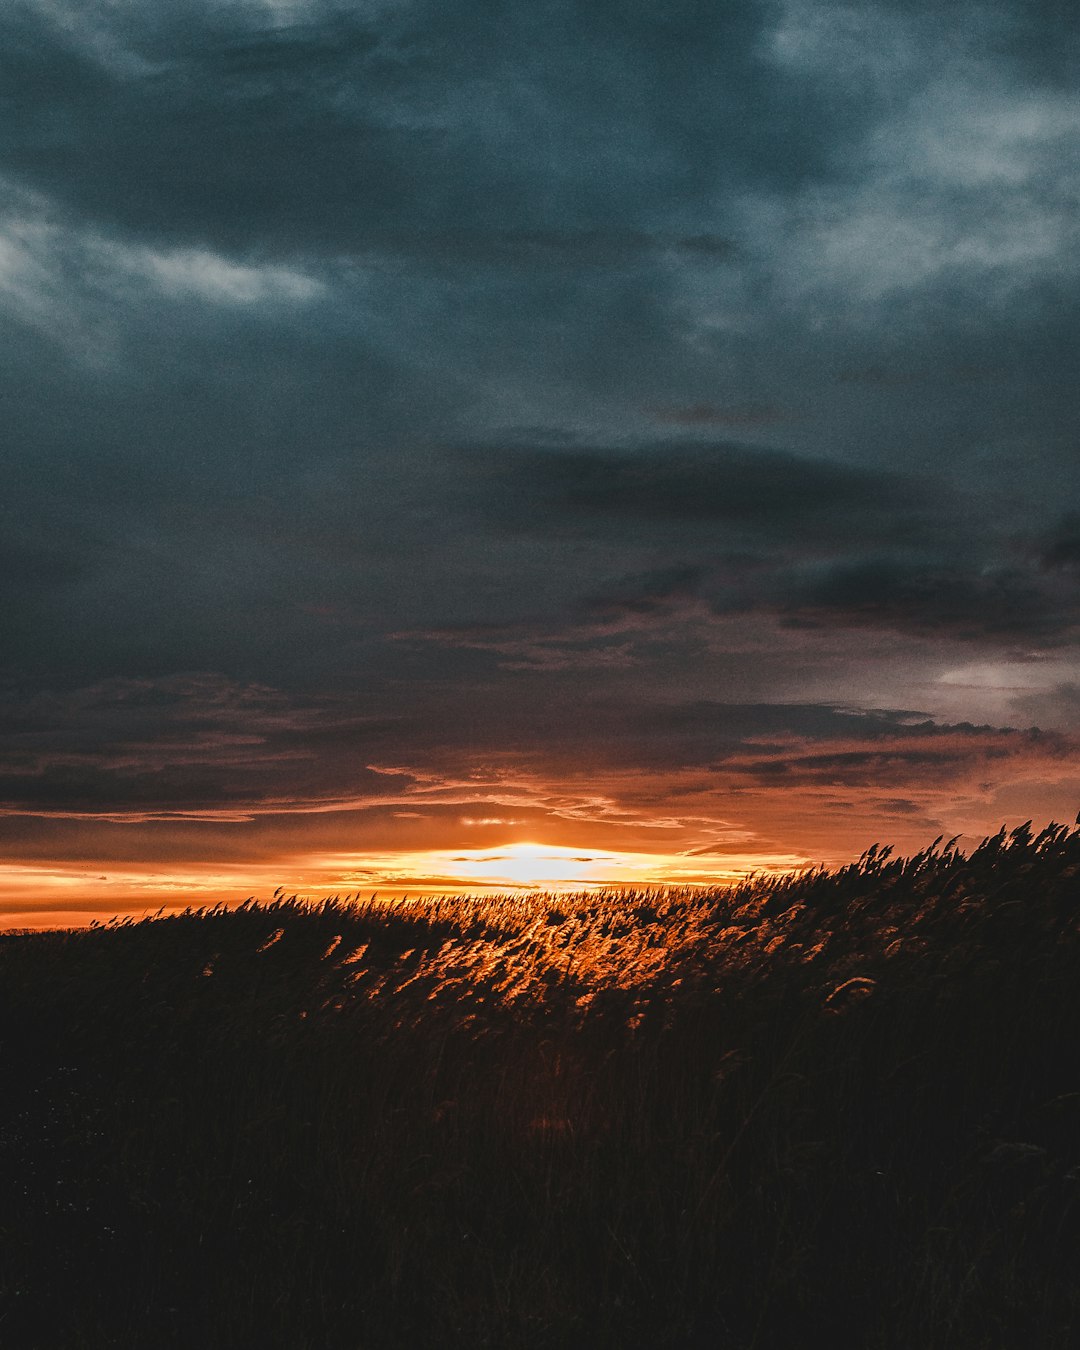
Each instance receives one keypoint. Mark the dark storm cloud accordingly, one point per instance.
(311, 126)
(686, 483)
(186, 745)
(187, 130)
(649, 593)
(968, 602)
(810, 541)
(1060, 552)
(199, 747)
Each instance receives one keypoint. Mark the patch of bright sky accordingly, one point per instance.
(1018, 692)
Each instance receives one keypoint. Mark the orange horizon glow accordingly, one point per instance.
(74, 894)
(136, 869)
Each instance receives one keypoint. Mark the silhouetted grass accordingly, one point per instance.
(836, 1109)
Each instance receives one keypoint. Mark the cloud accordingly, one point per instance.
(658, 592)
(202, 746)
(755, 530)
(908, 760)
(209, 276)
(191, 746)
(963, 179)
(966, 602)
(688, 482)
(1060, 551)
(316, 128)
(86, 290)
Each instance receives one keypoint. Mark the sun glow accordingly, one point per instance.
(550, 867)
(541, 865)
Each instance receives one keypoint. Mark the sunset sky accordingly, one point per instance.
(451, 444)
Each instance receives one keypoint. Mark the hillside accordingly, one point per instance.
(843, 1106)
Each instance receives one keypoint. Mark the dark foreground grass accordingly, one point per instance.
(837, 1110)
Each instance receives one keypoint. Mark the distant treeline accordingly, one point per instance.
(841, 1108)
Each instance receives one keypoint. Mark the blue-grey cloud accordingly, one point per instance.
(719, 483)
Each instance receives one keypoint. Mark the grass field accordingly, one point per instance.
(839, 1109)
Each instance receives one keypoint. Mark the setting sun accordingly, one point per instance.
(548, 865)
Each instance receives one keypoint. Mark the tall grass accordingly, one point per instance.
(842, 1107)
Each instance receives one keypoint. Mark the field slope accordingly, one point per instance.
(841, 1108)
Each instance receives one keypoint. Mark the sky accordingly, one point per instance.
(450, 443)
